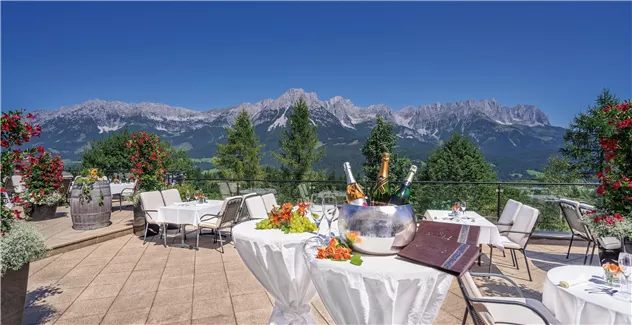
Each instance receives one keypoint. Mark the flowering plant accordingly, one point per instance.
(86, 183)
(289, 218)
(337, 250)
(43, 178)
(148, 161)
(616, 185)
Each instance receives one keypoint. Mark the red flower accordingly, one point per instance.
(616, 184)
(589, 212)
(2, 190)
(596, 219)
(618, 216)
(600, 175)
(41, 149)
(601, 190)
(30, 115)
(610, 221)
(607, 169)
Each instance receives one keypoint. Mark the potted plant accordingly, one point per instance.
(19, 242)
(613, 218)
(90, 201)
(42, 175)
(148, 171)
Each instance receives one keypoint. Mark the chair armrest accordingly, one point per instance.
(515, 232)
(502, 276)
(212, 216)
(517, 303)
(490, 217)
(503, 224)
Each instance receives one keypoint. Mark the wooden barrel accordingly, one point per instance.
(91, 215)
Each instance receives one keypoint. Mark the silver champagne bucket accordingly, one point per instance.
(382, 230)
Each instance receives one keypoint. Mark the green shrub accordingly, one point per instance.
(20, 245)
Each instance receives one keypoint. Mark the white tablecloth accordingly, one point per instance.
(488, 235)
(383, 290)
(117, 188)
(276, 260)
(575, 305)
(189, 213)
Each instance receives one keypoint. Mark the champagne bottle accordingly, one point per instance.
(381, 192)
(355, 194)
(401, 196)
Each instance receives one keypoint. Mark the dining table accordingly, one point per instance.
(118, 188)
(587, 300)
(187, 213)
(489, 234)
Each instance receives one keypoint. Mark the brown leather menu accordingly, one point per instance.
(448, 247)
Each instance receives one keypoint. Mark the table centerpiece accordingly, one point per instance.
(289, 218)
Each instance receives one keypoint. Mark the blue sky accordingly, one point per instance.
(203, 55)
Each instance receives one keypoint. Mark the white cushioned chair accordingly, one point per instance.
(150, 202)
(256, 208)
(501, 310)
(228, 214)
(269, 201)
(517, 237)
(507, 217)
(171, 196)
(243, 211)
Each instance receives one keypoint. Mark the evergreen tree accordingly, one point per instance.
(299, 145)
(382, 139)
(240, 156)
(581, 140)
(109, 154)
(559, 170)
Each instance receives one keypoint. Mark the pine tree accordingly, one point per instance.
(581, 140)
(299, 145)
(240, 156)
(460, 160)
(382, 139)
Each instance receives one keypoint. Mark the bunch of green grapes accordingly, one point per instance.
(301, 224)
(264, 224)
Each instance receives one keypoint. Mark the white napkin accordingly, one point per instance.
(570, 283)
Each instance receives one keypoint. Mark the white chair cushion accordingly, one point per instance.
(525, 220)
(610, 242)
(171, 196)
(151, 201)
(256, 208)
(508, 243)
(470, 285)
(509, 214)
(514, 314)
(270, 201)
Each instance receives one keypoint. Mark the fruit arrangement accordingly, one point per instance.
(338, 251)
(289, 218)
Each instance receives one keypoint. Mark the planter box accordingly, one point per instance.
(43, 212)
(14, 295)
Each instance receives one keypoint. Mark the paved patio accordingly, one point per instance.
(122, 281)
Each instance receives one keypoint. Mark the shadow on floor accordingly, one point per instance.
(37, 311)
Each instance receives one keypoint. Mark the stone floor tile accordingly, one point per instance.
(242, 282)
(101, 291)
(36, 266)
(317, 304)
(204, 277)
(256, 316)
(216, 320)
(98, 262)
(37, 315)
(160, 264)
(178, 295)
(134, 287)
(214, 307)
(211, 289)
(76, 281)
(445, 318)
(134, 258)
(136, 316)
(119, 267)
(131, 302)
(92, 270)
(171, 313)
(81, 308)
(86, 320)
(52, 297)
(209, 267)
(171, 271)
(235, 265)
(111, 278)
(49, 273)
(140, 275)
(257, 300)
(175, 282)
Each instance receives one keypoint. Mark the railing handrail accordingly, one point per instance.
(414, 182)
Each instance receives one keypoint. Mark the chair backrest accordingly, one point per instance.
(151, 201)
(233, 188)
(573, 215)
(302, 191)
(224, 190)
(230, 211)
(18, 185)
(171, 196)
(269, 201)
(525, 222)
(509, 213)
(256, 208)
(470, 290)
(243, 211)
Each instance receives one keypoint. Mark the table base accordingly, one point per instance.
(282, 315)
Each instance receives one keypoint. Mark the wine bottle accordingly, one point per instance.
(401, 196)
(355, 194)
(381, 192)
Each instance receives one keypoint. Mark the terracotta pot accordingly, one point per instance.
(43, 212)
(14, 295)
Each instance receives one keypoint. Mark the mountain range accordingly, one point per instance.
(515, 139)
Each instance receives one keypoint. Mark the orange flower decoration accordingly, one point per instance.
(334, 251)
(302, 207)
(353, 237)
(614, 268)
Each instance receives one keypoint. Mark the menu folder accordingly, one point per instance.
(448, 247)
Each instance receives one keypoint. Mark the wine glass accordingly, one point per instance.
(330, 206)
(625, 263)
(188, 196)
(463, 208)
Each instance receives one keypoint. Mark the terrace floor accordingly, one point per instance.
(122, 281)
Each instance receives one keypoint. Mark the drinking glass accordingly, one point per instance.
(625, 264)
(188, 196)
(330, 206)
(463, 208)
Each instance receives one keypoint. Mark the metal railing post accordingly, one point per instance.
(498, 190)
